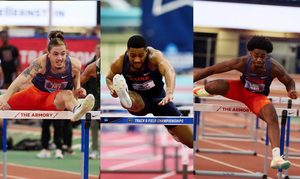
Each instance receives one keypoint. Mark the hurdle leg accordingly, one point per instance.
(195, 135)
(82, 149)
(185, 161)
(266, 153)
(4, 148)
(282, 137)
(256, 134)
(100, 151)
(287, 141)
(288, 135)
(87, 125)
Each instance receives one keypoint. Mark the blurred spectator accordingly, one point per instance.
(5, 28)
(1, 76)
(67, 137)
(40, 31)
(91, 86)
(10, 60)
(45, 138)
(90, 31)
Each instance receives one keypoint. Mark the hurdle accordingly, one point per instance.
(24, 114)
(156, 120)
(229, 109)
(217, 100)
(117, 110)
(286, 122)
(289, 102)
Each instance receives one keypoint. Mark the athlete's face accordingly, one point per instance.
(259, 58)
(57, 56)
(137, 57)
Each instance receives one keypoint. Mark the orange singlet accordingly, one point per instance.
(253, 101)
(33, 99)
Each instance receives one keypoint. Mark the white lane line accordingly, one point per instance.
(236, 148)
(134, 163)
(223, 163)
(10, 176)
(47, 169)
(225, 132)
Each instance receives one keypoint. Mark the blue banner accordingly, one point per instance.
(167, 26)
(147, 120)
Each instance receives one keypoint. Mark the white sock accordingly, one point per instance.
(276, 152)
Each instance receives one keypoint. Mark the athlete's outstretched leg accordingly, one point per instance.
(268, 114)
(65, 99)
(183, 133)
(215, 87)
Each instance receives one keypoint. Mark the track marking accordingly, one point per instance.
(10, 176)
(40, 168)
(223, 163)
(169, 174)
(236, 148)
(133, 163)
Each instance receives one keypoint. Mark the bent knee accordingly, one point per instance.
(65, 94)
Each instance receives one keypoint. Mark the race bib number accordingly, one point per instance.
(144, 86)
(254, 87)
(53, 86)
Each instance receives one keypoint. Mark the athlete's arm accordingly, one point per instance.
(76, 66)
(279, 72)
(89, 71)
(35, 67)
(234, 64)
(115, 68)
(166, 70)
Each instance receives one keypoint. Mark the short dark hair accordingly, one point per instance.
(136, 41)
(260, 42)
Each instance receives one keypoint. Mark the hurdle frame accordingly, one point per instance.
(291, 112)
(250, 137)
(155, 120)
(11, 114)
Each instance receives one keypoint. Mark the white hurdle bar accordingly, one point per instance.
(219, 99)
(27, 114)
(232, 109)
(127, 119)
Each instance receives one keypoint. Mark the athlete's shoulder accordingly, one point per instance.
(155, 56)
(277, 70)
(42, 60)
(117, 62)
(75, 62)
(238, 63)
(154, 53)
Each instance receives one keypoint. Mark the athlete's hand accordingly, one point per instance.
(80, 92)
(3, 103)
(169, 97)
(113, 93)
(293, 94)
